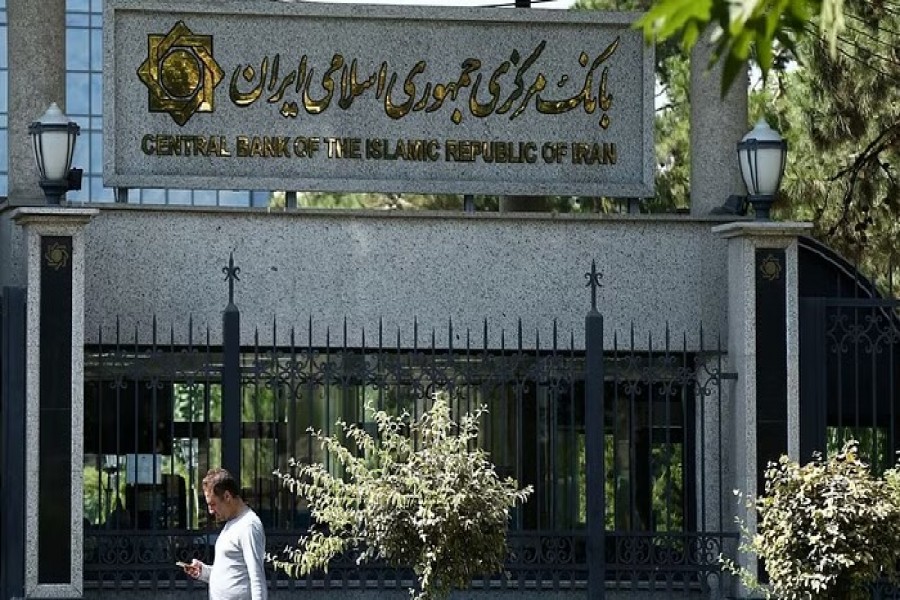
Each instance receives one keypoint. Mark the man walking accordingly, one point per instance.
(237, 573)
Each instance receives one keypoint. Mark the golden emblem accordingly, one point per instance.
(770, 268)
(180, 73)
(57, 256)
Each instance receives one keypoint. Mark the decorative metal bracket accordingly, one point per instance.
(231, 275)
(593, 278)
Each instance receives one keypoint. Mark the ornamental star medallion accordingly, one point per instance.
(180, 73)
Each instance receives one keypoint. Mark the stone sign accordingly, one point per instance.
(272, 95)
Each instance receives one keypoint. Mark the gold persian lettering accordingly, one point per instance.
(315, 107)
(512, 87)
(539, 82)
(351, 86)
(282, 88)
(452, 88)
(483, 110)
(249, 74)
(585, 97)
(398, 111)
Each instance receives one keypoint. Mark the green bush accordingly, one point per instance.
(421, 495)
(827, 529)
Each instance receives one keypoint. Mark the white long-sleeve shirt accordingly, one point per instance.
(238, 573)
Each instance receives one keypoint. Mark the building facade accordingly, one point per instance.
(146, 341)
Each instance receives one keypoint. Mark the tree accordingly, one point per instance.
(749, 29)
(421, 495)
(841, 116)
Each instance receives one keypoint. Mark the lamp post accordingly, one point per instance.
(761, 154)
(53, 137)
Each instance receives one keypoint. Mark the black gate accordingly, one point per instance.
(849, 360)
(621, 443)
(850, 376)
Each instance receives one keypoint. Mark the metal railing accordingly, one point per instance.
(159, 414)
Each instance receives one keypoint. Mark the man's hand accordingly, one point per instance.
(193, 570)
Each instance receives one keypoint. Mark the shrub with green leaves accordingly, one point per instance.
(827, 529)
(421, 495)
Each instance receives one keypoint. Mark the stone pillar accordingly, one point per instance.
(54, 399)
(37, 76)
(763, 349)
(36, 47)
(717, 125)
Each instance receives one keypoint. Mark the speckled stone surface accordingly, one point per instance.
(717, 125)
(394, 268)
(792, 275)
(36, 48)
(559, 97)
(743, 240)
(37, 222)
(742, 355)
(713, 414)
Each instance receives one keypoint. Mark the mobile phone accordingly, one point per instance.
(183, 565)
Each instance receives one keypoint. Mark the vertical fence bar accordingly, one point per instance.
(814, 394)
(594, 431)
(135, 382)
(205, 457)
(231, 378)
(617, 432)
(174, 504)
(191, 386)
(154, 435)
(259, 427)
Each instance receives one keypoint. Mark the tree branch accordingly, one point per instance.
(874, 148)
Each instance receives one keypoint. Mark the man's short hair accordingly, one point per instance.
(219, 481)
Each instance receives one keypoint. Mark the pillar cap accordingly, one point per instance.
(46, 215)
(763, 229)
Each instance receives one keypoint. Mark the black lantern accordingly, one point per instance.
(53, 136)
(761, 154)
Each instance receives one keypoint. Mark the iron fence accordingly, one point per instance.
(623, 446)
(156, 420)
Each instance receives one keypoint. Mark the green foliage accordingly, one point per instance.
(827, 529)
(673, 138)
(745, 30)
(420, 495)
(840, 117)
(93, 494)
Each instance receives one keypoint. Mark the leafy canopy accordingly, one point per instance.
(420, 495)
(841, 117)
(742, 27)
